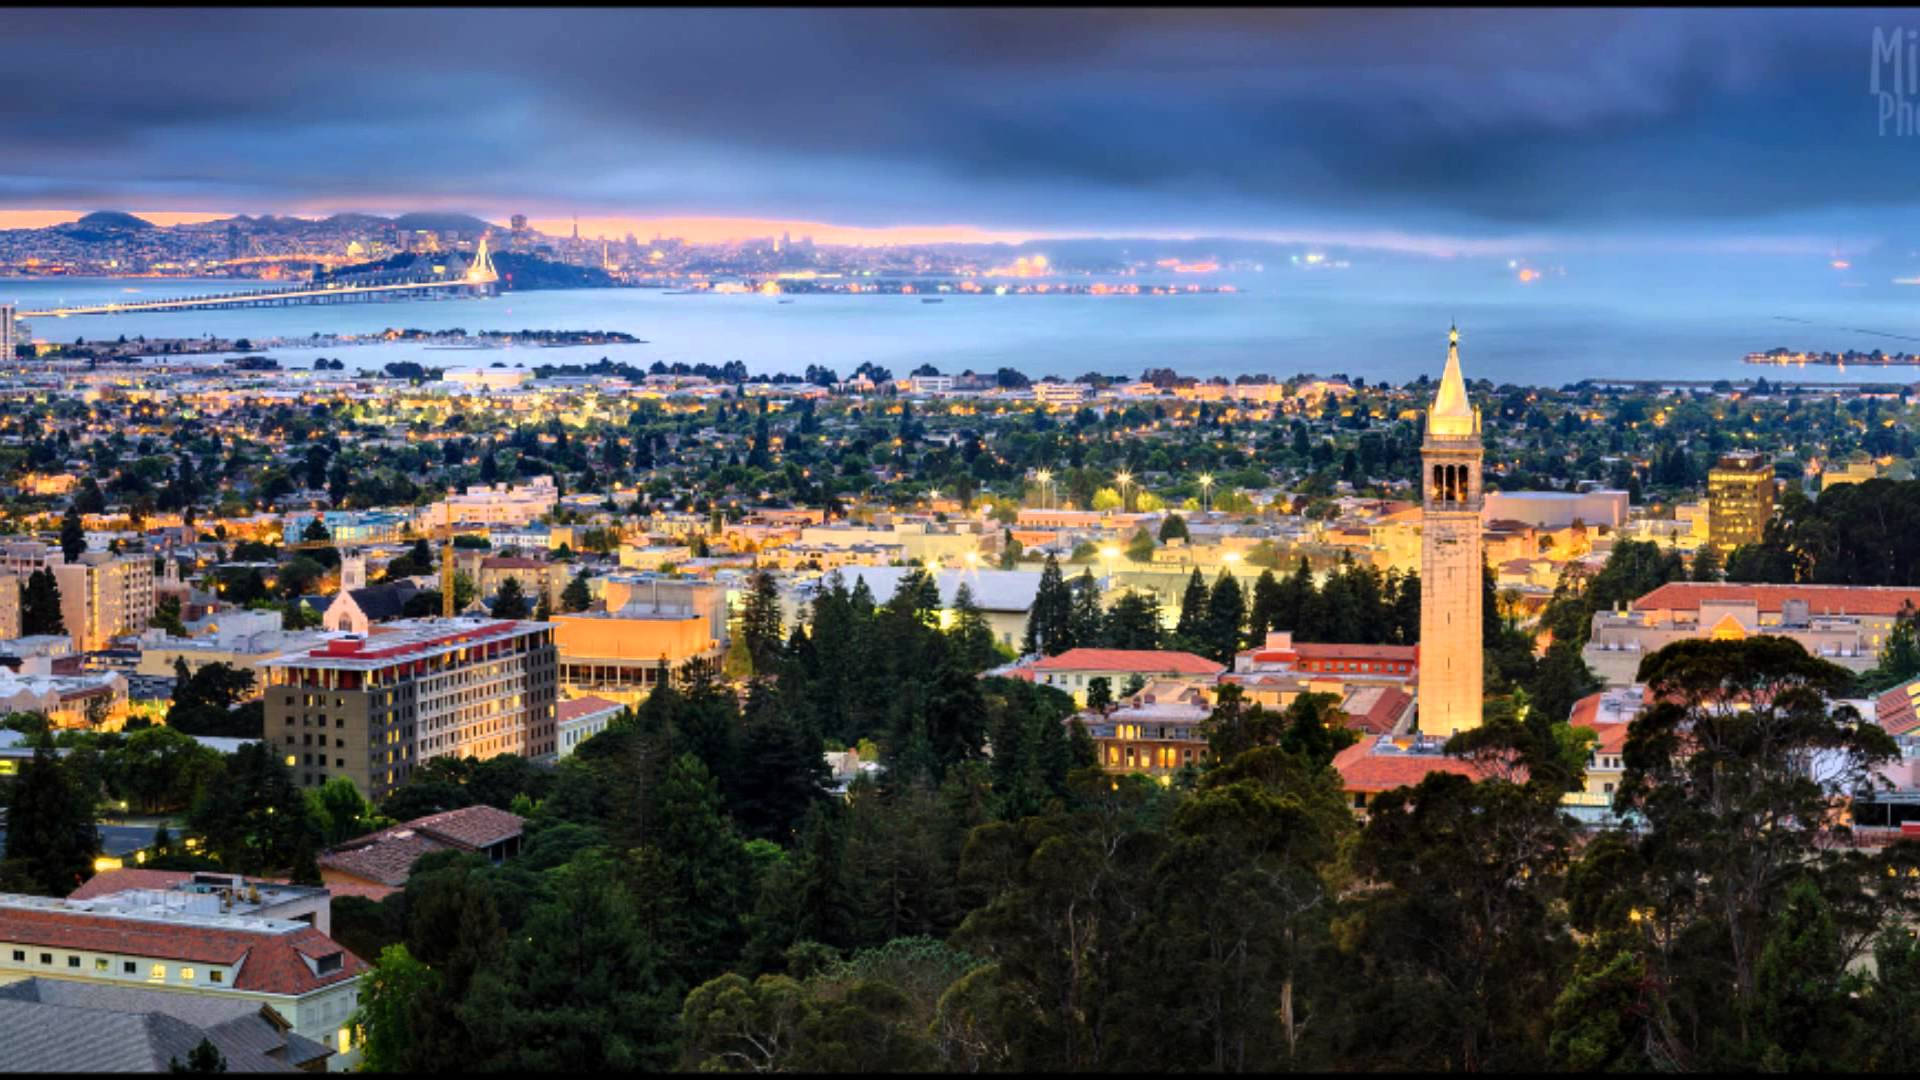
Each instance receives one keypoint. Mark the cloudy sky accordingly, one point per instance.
(1418, 130)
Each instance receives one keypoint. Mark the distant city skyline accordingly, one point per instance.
(1435, 132)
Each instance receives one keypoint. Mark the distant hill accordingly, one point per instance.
(104, 225)
(112, 219)
(443, 222)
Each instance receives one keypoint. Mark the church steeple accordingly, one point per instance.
(1452, 414)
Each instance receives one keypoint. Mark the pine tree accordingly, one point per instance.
(970, 637)
(1225, 612)
(50, 827)
(40, 605)
(511, 602)
(760, 623)
(1268, 599)
(1133, 622)
(578, 595)
(1087, 618)
(1049, 622)
(73, 538)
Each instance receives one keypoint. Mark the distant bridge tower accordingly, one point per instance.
(481, 271)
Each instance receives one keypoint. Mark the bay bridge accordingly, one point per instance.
(478, 279)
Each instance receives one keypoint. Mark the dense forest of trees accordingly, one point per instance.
(675, 909)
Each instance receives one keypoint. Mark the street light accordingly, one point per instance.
(1125, 480)
(1206, 491)
(1045, 477)
(1108, 553)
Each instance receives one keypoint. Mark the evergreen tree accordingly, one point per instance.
(1225, 612)
(1133, 622)
(73, 538)
(1190, 629)
(50, 828)
(40, 605)
(577, 596)
(1268, 608)
(1086, 617)
(511, 601)
(1050, 621)
(970, 638)
(760, 623)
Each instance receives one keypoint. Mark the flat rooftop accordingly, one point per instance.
(410, 639)
(152, 906)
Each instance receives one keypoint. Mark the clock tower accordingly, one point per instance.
(1451, 652)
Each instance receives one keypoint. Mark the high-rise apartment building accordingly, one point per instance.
(1740, 489)
(1451, 656)
(103, 596)
(374, 708)
(8, 328)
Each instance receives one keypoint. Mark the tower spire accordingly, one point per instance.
(1453, 414)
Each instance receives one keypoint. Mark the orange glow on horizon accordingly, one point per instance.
(40, 219)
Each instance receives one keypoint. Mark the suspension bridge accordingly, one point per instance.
(478, 279)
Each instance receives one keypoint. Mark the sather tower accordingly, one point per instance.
(1451, 654)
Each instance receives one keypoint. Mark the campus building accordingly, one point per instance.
(212, 941)
(373, 708)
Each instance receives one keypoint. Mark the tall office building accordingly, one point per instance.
(374, 708)
(8, 327)
(104, 596)
(1451, 652)
(1740, 489)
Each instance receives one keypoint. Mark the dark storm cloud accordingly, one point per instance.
(1469, 123)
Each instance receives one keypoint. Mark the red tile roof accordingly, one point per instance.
(1378, 709)
(113, 881)
(383, 858)
(575, 708)
(471, 826)
(387, 857)
(1158, 661)
(269, 960)
(1361, 769)
(1821, 599)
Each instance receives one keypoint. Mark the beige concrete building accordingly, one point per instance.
(373, 708)
(1451, 656)
(103, 596)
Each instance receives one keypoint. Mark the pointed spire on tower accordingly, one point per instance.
(1453, 413)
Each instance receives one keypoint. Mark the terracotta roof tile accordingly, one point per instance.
(113, 881)
(270, 961)
(1821, 599)
(575, 708)
(1362, 769)
(1130, 660)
